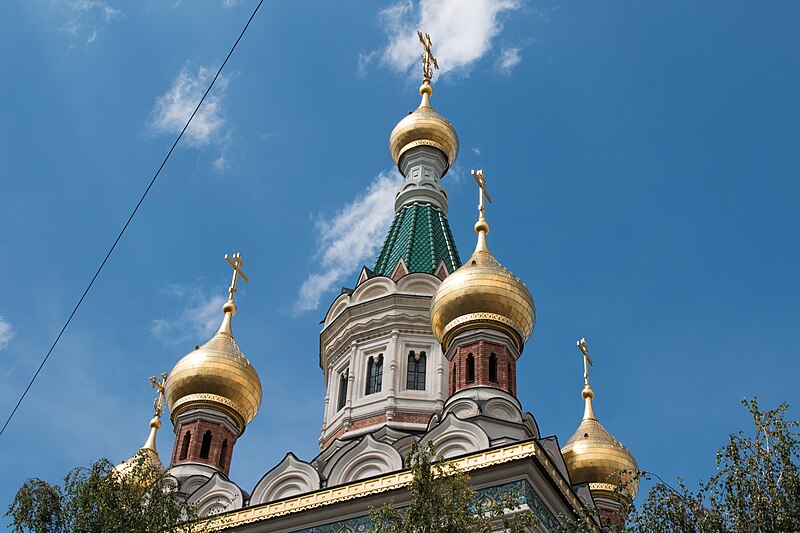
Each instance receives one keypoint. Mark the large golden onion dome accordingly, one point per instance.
(482, 293)
(424, 127)
(216, 375)
(593, 456)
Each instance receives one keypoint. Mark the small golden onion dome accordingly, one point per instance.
(145, 463)
(424, 127)
(482, 293)
(216, 375)
(592, 455)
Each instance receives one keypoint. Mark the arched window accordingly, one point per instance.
(415, 378)
(206, 446)
(470, 368)
(493, 368)
(223, 453)
(187, 437)
(510, 380)
(342, 391)
(374, 374)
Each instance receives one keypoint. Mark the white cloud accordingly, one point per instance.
(200, 316)
(85, 19)
(509, 58)
(6, 332)
(349, 238)
(174, 107)
(461, 31)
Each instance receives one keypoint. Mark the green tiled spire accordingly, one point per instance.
(421, 236)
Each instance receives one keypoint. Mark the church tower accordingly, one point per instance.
(381, 363)
(213, 393)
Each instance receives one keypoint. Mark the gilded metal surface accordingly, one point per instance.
(216, 372)
(484, 291)
(592, 454)
(426, 127)
(428, 61)
(385, 483)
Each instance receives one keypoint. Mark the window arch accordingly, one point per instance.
(187, 437)
(493, 368)
(374, 373)
(223, 453)
(206, 446)
(470, 368)
(342, 391)
(415, 377)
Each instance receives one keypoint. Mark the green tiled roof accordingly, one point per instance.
(421, 236)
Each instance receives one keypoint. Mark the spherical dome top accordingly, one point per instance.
(424, 127)
(482, 293)
(145, 465)
(592, 455)
(218, 375)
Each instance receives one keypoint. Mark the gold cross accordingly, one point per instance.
(428, 61)
(483, 193)
(237, 263)
(158, 403)
(586, 360)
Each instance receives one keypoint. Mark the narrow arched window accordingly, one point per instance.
(415, 377)
(470, 368)
(206, 446)
(374, 374)
(493, 368)
(187, 437)
(223, 453)
(342, 391)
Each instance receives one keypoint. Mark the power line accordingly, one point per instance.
(130, 218)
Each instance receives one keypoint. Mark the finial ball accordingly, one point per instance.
(229, 307)
(155, 422)
(587, 393)
(482, 226)
(425, 88)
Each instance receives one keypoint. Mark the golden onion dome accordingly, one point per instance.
(145, 464)
(216, 375)
(592, 455)
(424, 127)
(482, 293)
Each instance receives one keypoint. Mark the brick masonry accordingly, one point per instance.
(220, 451)
(399, 416)
(481, 352)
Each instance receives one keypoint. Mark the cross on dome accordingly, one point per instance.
(236, 263)
(428, 61)
(158, 403)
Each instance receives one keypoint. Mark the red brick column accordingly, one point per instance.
(481, 352)
(221, 437)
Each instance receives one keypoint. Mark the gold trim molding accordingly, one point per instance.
(384, 483)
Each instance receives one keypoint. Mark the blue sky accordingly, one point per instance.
(643, 159)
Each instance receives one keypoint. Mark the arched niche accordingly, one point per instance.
(289, 478)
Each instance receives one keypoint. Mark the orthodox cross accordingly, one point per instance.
(483, 193)
(586, 360)
(158, 403)
(236, 263)
(428, 61)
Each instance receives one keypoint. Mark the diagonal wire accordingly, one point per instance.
(130, 218)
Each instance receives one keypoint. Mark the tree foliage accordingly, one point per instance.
(98, 499)
(756, 487)
(442, 501)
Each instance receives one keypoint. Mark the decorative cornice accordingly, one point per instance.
(388, 482)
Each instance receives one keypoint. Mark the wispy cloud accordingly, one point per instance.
(174, 107)
(349, 238)
(462, 32)
(85, 19)
(196, 321)
(6, 332)
(509, 58)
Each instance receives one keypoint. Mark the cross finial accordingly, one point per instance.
(236, 263)
(158, 403)
(428, 61)
(586, 360)
(483, 193)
